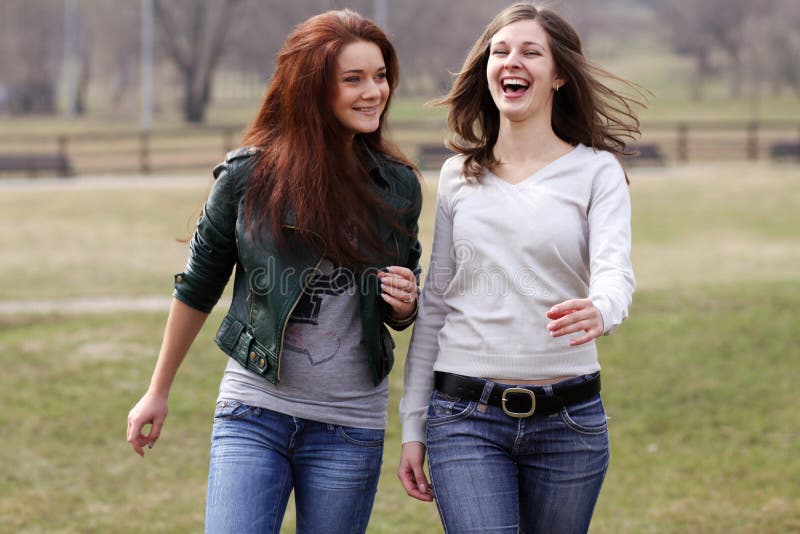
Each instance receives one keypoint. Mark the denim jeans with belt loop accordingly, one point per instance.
(259, 456)
(495, 473)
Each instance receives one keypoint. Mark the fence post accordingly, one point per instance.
(226, 140)
(144, 152)
(683, 142)
(752, 140)
(63, 152)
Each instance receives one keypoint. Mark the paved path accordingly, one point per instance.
(106, 182)
(97, 183)
(90, 305)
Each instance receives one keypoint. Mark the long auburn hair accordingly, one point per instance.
(585, 109)
(310, 165)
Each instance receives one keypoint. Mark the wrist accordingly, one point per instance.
(159, 392)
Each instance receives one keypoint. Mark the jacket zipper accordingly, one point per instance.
(396, 249)
(249, 291)
(291, 310)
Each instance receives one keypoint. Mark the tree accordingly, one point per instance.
(702, 29)
(193, 34)
(30, 42)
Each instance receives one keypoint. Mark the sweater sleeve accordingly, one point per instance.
(424, 346)
(611, 283)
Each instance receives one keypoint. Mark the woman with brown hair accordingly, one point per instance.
(530, 263)
(317, 216)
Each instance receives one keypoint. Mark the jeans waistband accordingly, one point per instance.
(519, 401)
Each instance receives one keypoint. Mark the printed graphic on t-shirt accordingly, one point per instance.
(315, 328)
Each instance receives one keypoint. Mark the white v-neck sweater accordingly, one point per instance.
(503, 254)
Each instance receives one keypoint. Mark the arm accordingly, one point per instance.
(212, 254)
(611, 282)
(183, 324)
(400, 285)
(418, 378)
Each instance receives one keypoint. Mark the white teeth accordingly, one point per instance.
(515, 81)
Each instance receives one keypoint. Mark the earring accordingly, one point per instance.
(557, 86)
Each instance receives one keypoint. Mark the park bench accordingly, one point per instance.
(34, 163)
(431, 156)
(648, 153)
(784, 150)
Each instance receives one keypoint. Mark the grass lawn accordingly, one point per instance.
(698, 382)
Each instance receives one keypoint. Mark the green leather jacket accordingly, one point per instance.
(268, 285)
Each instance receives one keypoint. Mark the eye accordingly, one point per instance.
(381, 76)
(533, 53)
(499, 52)
(352, 79)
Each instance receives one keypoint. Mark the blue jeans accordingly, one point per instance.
(258, 456)
(494, 473)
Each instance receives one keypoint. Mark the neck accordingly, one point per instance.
(526, 140)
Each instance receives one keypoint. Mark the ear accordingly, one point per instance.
(559, 82)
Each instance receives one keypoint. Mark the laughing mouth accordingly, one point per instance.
(515, 86)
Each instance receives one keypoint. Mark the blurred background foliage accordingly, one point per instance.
(212, 59)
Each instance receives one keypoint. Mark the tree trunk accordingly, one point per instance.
(702, 68)
(194, 108)
(735, 85)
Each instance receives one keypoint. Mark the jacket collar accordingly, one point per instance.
(374, 163)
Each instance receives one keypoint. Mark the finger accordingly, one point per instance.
(155, 432)
(558, 315)
(422, 481)
(403, 295)
(404, 272)
(406, 476)
(572, 318)
(138, 442)
(401, 308)
(565, 307)
(588, 336)
(389, 280)
(581, 326)
(411, 484)
(134, 428)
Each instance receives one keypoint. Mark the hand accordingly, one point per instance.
(151, 409)
(411, 474)
(399, 290)
(575, 315)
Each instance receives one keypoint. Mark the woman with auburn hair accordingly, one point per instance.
(530, 263)
(317, 216)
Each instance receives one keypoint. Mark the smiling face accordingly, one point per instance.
(521, 72)
(361, 87)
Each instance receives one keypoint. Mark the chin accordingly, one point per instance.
(366, 129)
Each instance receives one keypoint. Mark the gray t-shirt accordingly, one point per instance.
(324, 373)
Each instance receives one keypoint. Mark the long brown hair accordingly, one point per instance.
(585, 109)
(310, 165)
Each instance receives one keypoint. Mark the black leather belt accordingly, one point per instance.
(518, 401)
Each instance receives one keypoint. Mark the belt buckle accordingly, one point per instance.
(520, 391)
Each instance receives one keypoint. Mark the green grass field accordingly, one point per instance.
(697, 383)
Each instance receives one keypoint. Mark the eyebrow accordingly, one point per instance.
(359, 71)
(526, 43)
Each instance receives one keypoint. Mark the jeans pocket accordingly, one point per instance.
(446, 409)
(230, 409)
(363, 437)
(587, 417)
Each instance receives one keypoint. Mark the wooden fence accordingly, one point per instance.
(197, 149)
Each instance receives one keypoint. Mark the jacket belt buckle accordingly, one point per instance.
(511, 396)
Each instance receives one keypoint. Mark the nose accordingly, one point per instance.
(371, 91)
(512, 61)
